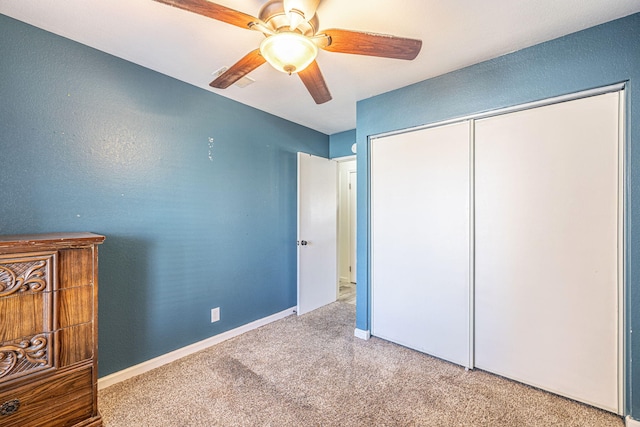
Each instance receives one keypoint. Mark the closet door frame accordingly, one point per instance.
(622, 216)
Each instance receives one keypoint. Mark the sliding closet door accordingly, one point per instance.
(546, 245)
(420, 240)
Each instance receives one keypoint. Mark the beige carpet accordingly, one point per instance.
(311, 371)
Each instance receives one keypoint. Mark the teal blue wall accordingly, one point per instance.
(598, 56)
(340, 143)
(90, 142)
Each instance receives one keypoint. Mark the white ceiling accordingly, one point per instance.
(189, 47)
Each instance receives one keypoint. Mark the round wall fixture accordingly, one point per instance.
(353, 148)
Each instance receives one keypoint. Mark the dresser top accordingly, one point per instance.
(50, 240)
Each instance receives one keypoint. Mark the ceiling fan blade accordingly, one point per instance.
(361, 43)
(215, 11)
(247, 64)
(313, 80)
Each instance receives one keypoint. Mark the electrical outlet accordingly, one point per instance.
(215, 314)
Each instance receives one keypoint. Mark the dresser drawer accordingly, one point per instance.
(27, 283)
(63, 399)
(25, 357)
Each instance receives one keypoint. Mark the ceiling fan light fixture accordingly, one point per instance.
(288, 52)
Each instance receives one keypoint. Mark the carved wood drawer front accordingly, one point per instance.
(25, 356)
(61, 400)
(26, 311)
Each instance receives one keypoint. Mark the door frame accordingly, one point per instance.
(353, 223)
(343, 206)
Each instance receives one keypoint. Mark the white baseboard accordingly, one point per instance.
(363, 335)
(630, 422)
(143, 367)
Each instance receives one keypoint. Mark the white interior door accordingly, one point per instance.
(546, 268)
(420, 240)
(317, 232)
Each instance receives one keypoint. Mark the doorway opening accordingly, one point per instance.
(347, 179)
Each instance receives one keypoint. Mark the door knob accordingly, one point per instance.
(304, 242)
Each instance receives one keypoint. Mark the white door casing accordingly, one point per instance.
(317, 232)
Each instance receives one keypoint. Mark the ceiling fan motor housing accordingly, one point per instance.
(273, 14)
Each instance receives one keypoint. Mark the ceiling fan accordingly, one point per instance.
(292, 40)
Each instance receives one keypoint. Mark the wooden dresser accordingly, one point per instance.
(48, 330)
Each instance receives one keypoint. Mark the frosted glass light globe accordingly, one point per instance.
(288, 52)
